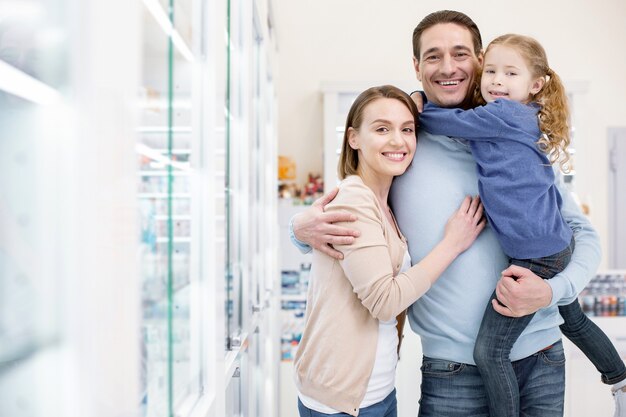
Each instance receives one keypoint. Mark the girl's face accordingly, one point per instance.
(507, 75)
(385, 140)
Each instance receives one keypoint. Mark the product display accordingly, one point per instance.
(605, 296)
(295, 284)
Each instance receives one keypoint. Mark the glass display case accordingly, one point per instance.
(138, 215)
(34, 81)
(250, 213)
(67, 266)
(166, 166)
(235, 161)
(206, 153)
(33, 77)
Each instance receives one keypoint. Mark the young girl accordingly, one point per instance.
(346, 360)
(515, 138)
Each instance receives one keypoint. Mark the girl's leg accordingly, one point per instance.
(593, 342)
(492, 351)
(498, 333)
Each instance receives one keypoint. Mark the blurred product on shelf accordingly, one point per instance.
(286, 168)
(290, 281)
(605, 296)
(314, 188)
(306, 194)
(288, 191)
(295, 284)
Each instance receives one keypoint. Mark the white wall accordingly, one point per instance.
(369, 42)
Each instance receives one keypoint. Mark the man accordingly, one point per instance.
(447, 51)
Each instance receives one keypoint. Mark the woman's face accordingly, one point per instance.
(385, 140)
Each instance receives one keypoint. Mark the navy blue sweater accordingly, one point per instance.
(515, 178)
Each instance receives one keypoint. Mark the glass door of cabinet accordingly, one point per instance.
(220, 131)
(34, 126)
(235, 181)
(33, 79)
(165, 147)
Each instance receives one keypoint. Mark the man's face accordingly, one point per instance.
(447, 64)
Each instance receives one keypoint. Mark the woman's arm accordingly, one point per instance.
(368, 265)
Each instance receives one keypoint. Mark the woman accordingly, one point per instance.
(345, 364)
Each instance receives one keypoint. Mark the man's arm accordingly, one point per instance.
(313, 228)
(586, 257)
(564, 287)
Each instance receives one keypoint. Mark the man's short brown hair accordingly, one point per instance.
(446, 16)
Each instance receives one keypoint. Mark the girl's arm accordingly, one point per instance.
(498, 119)
(368, 265)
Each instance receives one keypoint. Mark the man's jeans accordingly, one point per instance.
(451, 389)
(386, 408)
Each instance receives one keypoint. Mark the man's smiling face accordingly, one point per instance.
(447, 64)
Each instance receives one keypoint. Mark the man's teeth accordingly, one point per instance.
(448, 82)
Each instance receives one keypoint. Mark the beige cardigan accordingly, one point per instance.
(346, 300)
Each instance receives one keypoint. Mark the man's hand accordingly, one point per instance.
(316, 228)
(522, 297)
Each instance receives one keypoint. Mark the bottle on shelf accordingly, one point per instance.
(605, 295)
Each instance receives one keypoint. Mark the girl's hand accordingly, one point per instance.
(465, 225)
